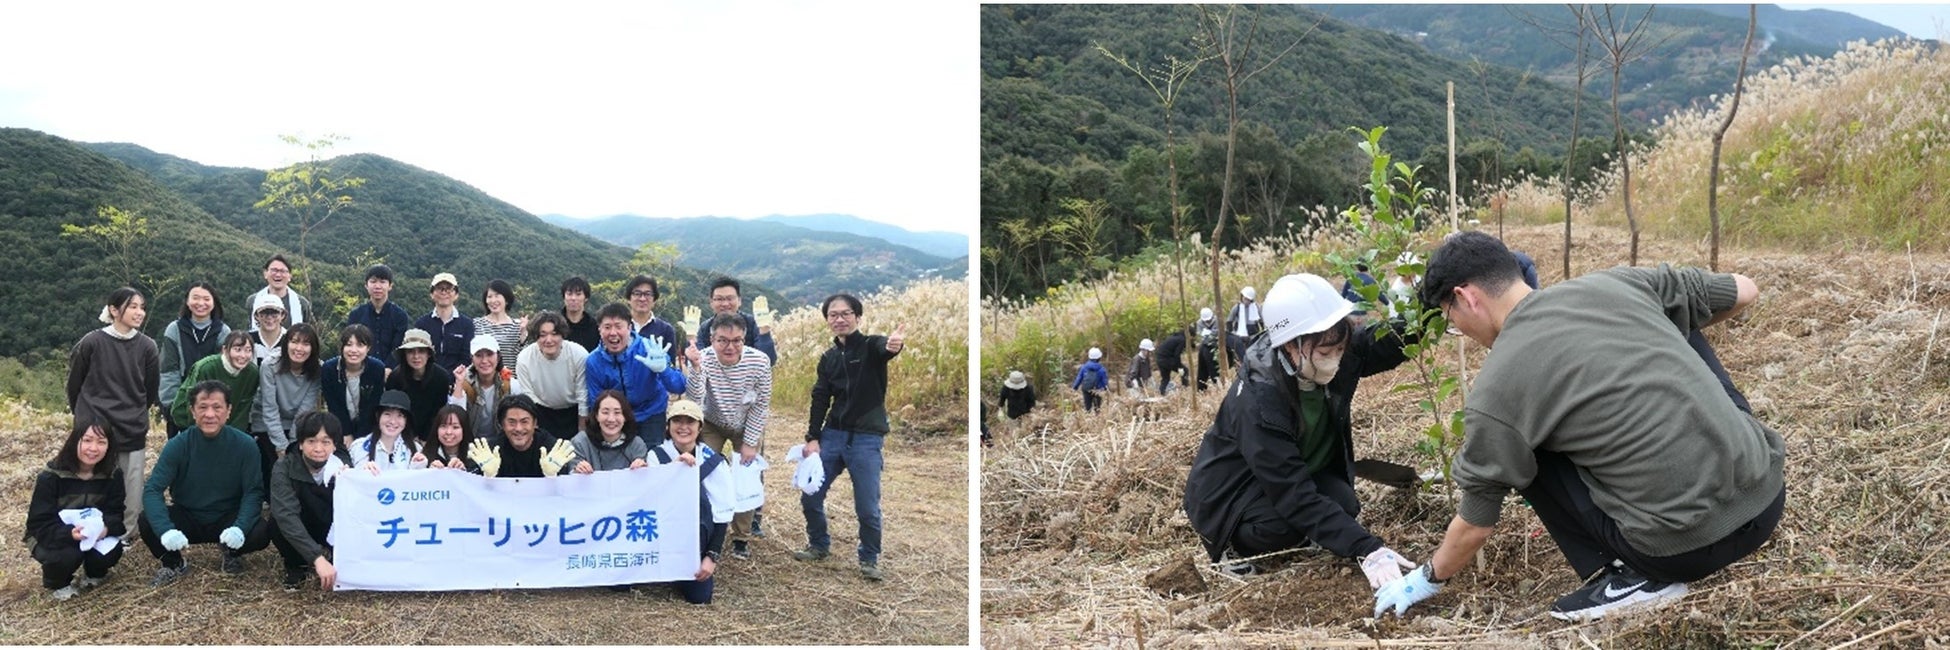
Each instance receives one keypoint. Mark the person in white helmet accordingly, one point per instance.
(1243, 323)
(1092, 380)
(1276, 470)
(1139, 376)
(1207, 331)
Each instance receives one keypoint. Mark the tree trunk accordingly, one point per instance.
(1713, 173)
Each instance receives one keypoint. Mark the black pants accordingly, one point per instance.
(267, 456)
(315, 527)
(58, 564)
(1263, 530)
(1166, 375)
(562, 423)
(1092, 399)
(255, 539)
(1591, 539)
(1236, 345)
(1208, 368)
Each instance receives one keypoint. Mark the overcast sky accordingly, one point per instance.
(1918, 20)
(667, 109)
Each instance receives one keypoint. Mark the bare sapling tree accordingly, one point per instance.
(1575, 36)
(1240, 59)
(1624, 44)
(310, 189)
(1080, 232)
(1719, 136)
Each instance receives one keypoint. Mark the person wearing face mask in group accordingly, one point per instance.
(1276, 470)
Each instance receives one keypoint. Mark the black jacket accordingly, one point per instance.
(851, 391)
(301, 508)
(56, 490)
(1169, 352)
(525, 463)
(1252, 452)
(1017, 401)
(427, 396)
(372, 382)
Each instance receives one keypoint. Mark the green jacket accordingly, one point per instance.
(243, 391)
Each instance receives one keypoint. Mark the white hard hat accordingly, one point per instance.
(1096, 354)
(1301, 304)
(1146, 345)
(1205, 313)
(1249, 293)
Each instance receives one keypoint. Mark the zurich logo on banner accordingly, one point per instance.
(386, 496)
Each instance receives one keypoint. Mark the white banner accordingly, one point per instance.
(421, 530)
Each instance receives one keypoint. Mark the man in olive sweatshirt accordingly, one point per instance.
(1607, 410)
(215, 500)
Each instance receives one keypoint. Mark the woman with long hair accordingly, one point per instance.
(611, 443)
(195, 335)
(114, 376)
(447, 443)
(82, 477)
(287, 387)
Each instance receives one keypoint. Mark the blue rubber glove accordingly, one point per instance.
(174, 540)
(232, 537)
(1400, 594)
(657, 359)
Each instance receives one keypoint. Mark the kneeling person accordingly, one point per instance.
(686, 419)
(215, 486)
(82, 476)
(524, 451)
(301, 498)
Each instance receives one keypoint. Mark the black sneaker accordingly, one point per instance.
(1229, 562)
(233, 564)
(168, 575)
(1614, 589)
(740, 550)
(294, 577)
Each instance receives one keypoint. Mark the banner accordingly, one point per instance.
(421, 530)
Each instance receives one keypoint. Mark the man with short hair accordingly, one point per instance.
(387, 320)
(635, 365)
(277, 284)
(726, 299)
(579, 324)
(550, 371)
(734, 385)
(848, 428)
(1605, 408)
(521, 451)
(643, 295)
(450, 329)
(479, 387)
(216, 488)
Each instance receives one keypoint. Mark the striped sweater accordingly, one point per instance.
(738, 398)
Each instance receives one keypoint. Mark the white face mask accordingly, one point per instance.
(1312, 372)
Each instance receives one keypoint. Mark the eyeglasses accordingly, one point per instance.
(642, 294)
(837, 315)
(724, 298)
(443, 289)
(719, 340)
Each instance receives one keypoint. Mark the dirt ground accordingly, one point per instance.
(1085, 543)
(770, 599)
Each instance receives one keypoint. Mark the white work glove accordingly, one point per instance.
(556, 457)
(692, 315)
(174, 540)
(232, 537)
(1384, 566)
(762, 312)
(1400, 594)
(656, 359)
(486, 456)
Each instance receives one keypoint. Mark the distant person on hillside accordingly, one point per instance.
(1276, 469)
(1605, 408)
(390, 446)
(499, 301)
(733, 382)
(575, 310)
(848, 427)
(83, 479)
(727, 299)
(1092, 380)
(113, 379)
(1139, 375)
(522, 451)
(449, 441)
(550, 370)
(287, 387)
(385, 321)
(277, 284)
(635, 365)
(301, 499)
(1207, 330)
(350, 383)
(447, 328)
(215, 486)
(1171, 364)
(424, 382)
(643, 295)
(267, 332)
(480, 386)
(195, 335)
(1401, 286)
(1017, 397)
(1241, 324)
(234, 367)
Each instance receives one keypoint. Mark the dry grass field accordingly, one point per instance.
(1084, 543)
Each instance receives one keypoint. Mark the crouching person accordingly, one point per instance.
(685, 421)
(215, 488)
(301, 498)
(81, 477)
(522, 451)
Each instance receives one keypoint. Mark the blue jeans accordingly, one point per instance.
(860, 452)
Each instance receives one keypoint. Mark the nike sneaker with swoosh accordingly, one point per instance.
(1616, 588)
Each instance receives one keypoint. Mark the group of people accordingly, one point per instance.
(255, 416)
(1598, 405)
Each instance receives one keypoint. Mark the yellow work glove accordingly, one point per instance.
(556, 457)
(692, 315)
(486, 456)
(762, 312)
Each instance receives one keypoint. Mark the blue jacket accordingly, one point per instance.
(450, 339)
(388, 327)
(361, 418)
(649, 392)
(1091, 377)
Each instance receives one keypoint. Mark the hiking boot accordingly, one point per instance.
(1229, 562)
(168, 575)
(811, 554)
(741, 550)
(90, 582)
(64, 593)
(758, 521)
(870, 570)
(294, 577)
(1616, 588)
(233, 564)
